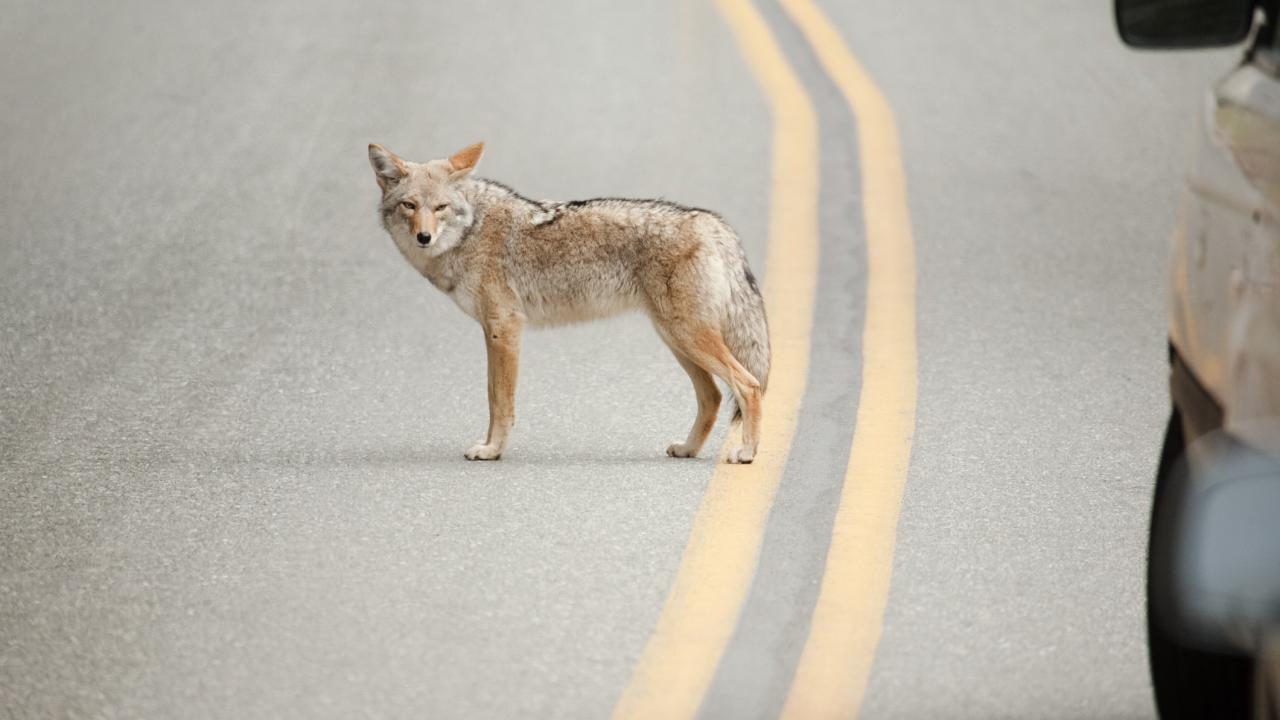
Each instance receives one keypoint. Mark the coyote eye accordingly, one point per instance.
(442, 206)
(408, 206)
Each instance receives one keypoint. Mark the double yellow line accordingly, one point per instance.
(703, 605)
(832, 676)
(701, 610)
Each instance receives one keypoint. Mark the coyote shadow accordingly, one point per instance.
(441, 455)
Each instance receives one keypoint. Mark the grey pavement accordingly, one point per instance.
(232, 418)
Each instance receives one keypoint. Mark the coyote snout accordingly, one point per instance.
(508, 261)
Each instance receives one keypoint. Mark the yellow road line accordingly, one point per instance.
(704, 602)
(831, 678)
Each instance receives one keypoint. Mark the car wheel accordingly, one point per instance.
(1188, 682)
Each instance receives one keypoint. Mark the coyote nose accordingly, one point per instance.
(424, 239)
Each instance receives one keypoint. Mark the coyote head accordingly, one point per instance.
(424, 205)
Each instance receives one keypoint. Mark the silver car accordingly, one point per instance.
(1214, 566)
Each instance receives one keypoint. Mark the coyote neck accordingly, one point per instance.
(476, 259)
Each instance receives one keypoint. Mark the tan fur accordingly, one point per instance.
(467, 157)
(508, 262)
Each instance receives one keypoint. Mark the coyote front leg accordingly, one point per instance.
(502, 340)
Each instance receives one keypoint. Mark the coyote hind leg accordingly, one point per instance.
(705, 347)
(708, 405)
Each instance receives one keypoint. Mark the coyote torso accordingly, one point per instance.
(508, 261)
(568, 262)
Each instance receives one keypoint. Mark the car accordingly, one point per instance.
(1213, 569)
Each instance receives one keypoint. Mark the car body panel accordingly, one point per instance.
(1225, 269)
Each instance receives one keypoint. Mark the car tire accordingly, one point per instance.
(1188, 682)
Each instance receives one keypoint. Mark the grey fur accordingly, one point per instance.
(508, 261)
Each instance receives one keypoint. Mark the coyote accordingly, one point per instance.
(508, 261)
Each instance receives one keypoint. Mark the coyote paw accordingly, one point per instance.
(741, 454)
(484, 452)
(682, 450)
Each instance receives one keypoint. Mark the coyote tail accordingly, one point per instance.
(746, 329)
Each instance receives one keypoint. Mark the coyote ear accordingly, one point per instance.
(466, 159)
(387, 168)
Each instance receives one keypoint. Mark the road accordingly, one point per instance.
(232, 419)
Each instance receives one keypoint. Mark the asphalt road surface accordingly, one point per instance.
(232, 419)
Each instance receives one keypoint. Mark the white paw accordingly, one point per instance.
(741, 454)
(682, 450)
(484, 452)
